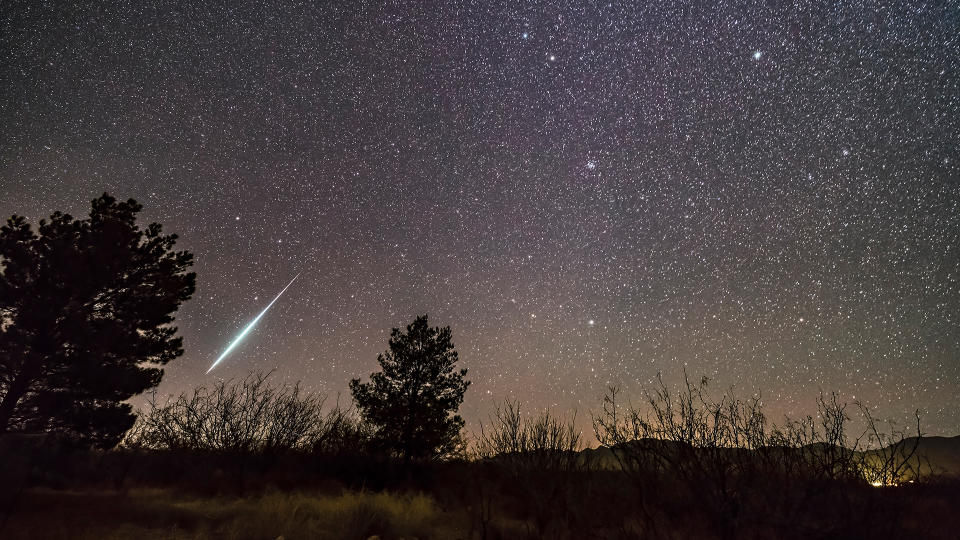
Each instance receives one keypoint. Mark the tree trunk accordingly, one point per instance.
(15, 391)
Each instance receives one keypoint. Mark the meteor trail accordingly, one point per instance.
(250, 326)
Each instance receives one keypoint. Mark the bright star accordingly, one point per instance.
(757, 55)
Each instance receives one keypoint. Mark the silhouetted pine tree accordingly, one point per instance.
(85, 313)
(412, 401)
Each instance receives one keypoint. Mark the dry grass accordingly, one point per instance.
(161, 514)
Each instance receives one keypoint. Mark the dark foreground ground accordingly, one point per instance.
(78, 494)
(163, 513)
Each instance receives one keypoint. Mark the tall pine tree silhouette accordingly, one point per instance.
(85, 313)
(412, 402)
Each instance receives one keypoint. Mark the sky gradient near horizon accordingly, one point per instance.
(764, 194)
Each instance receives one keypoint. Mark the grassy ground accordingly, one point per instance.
(164, 514)
(67, 494)
(169, 513)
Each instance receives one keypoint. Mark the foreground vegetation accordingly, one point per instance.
(252, 460)
(157, 513)
(129, 495)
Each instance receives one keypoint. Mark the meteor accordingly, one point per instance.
(249, 327)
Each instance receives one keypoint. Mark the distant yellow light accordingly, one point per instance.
(876, 483)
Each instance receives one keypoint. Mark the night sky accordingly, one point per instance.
(765, 194)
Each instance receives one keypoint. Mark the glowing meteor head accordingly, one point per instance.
(246, 330)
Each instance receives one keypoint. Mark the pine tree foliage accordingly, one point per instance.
(86, 308)
(412, 402)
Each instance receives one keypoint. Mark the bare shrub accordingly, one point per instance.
(540, 456)
(704, 447)
(721, 456)
(542, 442)
(819, 447)
(245, 416)
(891, 458)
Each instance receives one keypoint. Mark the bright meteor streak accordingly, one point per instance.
(250, 326)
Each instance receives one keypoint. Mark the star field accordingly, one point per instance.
(763, 193)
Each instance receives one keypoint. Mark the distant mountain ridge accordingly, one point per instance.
(935, 455)
(942, 453)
